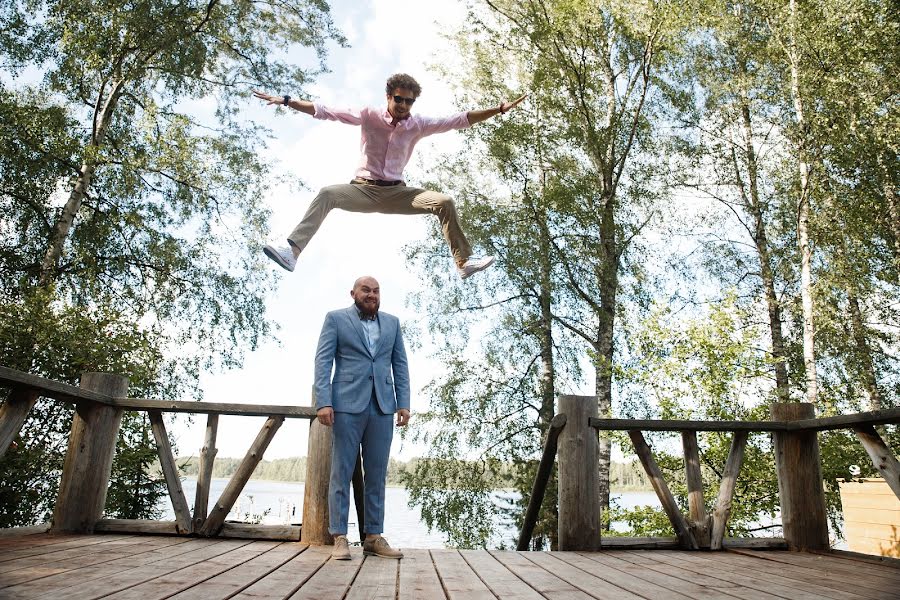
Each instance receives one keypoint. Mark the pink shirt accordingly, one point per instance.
(384, 148)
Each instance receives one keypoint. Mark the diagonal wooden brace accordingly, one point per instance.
(726, 489)
(173, 481)
(216, 519)
(881, 456)
(13, 414)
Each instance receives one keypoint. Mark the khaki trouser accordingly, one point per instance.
(390, 200)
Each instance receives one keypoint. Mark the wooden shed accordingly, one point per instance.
(871, 517)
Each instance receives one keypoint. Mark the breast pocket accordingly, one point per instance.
(389, 380)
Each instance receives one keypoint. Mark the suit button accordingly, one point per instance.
(370, 377)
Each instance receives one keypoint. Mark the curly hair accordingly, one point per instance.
(404, 81)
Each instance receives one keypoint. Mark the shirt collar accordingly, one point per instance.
(364, 317)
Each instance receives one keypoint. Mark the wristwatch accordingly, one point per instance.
(286, 100)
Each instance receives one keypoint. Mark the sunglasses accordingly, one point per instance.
(404, 100)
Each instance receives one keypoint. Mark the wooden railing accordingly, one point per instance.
(573, 434)
(100, 401)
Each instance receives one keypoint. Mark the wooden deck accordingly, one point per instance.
(156, 567)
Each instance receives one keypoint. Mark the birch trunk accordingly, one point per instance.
(806, 292)
(863, 350)
(762, 247)
(893, 204)
(82, 185)
(604, 348)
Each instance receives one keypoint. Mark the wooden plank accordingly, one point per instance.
(593, 580)
(551, 585)
(578, 477)
(459, 580)
(170, 471)
(855, 487)
(881, 456)
(684, 425)
(722, 512)
(219, 408)
(859, 514)
(685, 537)
(856, 557)
(232, 581)
(500, 580)
(88, 462)
(53, 544)
(49, 388)
(875, 417)
(800, 489)
(147, 566)
(289, 577)
(825, 571)
(248, 531)
(809, 576)
(332, 580)
(638, 579)
(698, 520)
(18, 532)
(13, 413)
(184, 578)
(376, 580)
(145, 526)
(315, 489)
(418, 578)
(649, 561)
(213, 523)
(770, 583)
(545, 468)
(204, 476)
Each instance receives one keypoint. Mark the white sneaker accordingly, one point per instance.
(282, 255)
(473, 265)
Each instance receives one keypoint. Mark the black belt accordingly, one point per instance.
(378, 182)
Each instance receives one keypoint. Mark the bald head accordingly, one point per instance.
(366, 295)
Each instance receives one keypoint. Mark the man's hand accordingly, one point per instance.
(505, 106)
(402, 417)
(269, 99)
(325, 416)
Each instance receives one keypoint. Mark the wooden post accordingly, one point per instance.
(579, 479)
(216, 519)
(698, 518)
(13, 414)
(679, 523)
(314, 528)
(170, 471)
(726, 489)
(92, 445)
(545, 468)
(881, 456)
(204, 476)
(800, 485)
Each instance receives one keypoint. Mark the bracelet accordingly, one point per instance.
(286, 100)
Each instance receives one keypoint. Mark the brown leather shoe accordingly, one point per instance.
(341, 548)
(379, 547)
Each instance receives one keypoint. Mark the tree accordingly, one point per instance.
(132, 210)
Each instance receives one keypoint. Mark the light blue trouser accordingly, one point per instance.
(374, 431)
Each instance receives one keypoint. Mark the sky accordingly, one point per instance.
(385, 37)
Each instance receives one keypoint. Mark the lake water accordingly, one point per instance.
(403, 525)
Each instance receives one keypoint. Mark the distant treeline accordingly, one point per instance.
(623, 476)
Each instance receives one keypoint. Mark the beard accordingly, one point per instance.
(367, 309)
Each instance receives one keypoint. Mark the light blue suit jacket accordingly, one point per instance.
(342, 344)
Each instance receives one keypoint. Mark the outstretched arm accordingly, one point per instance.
(304, 106)
(477, 116)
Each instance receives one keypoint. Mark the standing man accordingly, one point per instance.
(388, 137)
(370, 385)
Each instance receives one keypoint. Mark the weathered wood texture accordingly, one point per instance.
(545, 468)
(170, 471)
(683, 425)
(800, 487)
(315, 489)
(579, 480)
(698, 519)
(726, 489)
(92, 444)
(679, 523)
(881, 456)
(871, 516)
(887, 416)
(204, 476)
(151, 567)
(13, 413)
(214, 521)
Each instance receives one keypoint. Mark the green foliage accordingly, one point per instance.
(131, 204)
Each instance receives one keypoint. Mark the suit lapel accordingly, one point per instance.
(356, 324)
(385, 333)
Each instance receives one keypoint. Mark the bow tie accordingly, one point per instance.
(364, 317)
